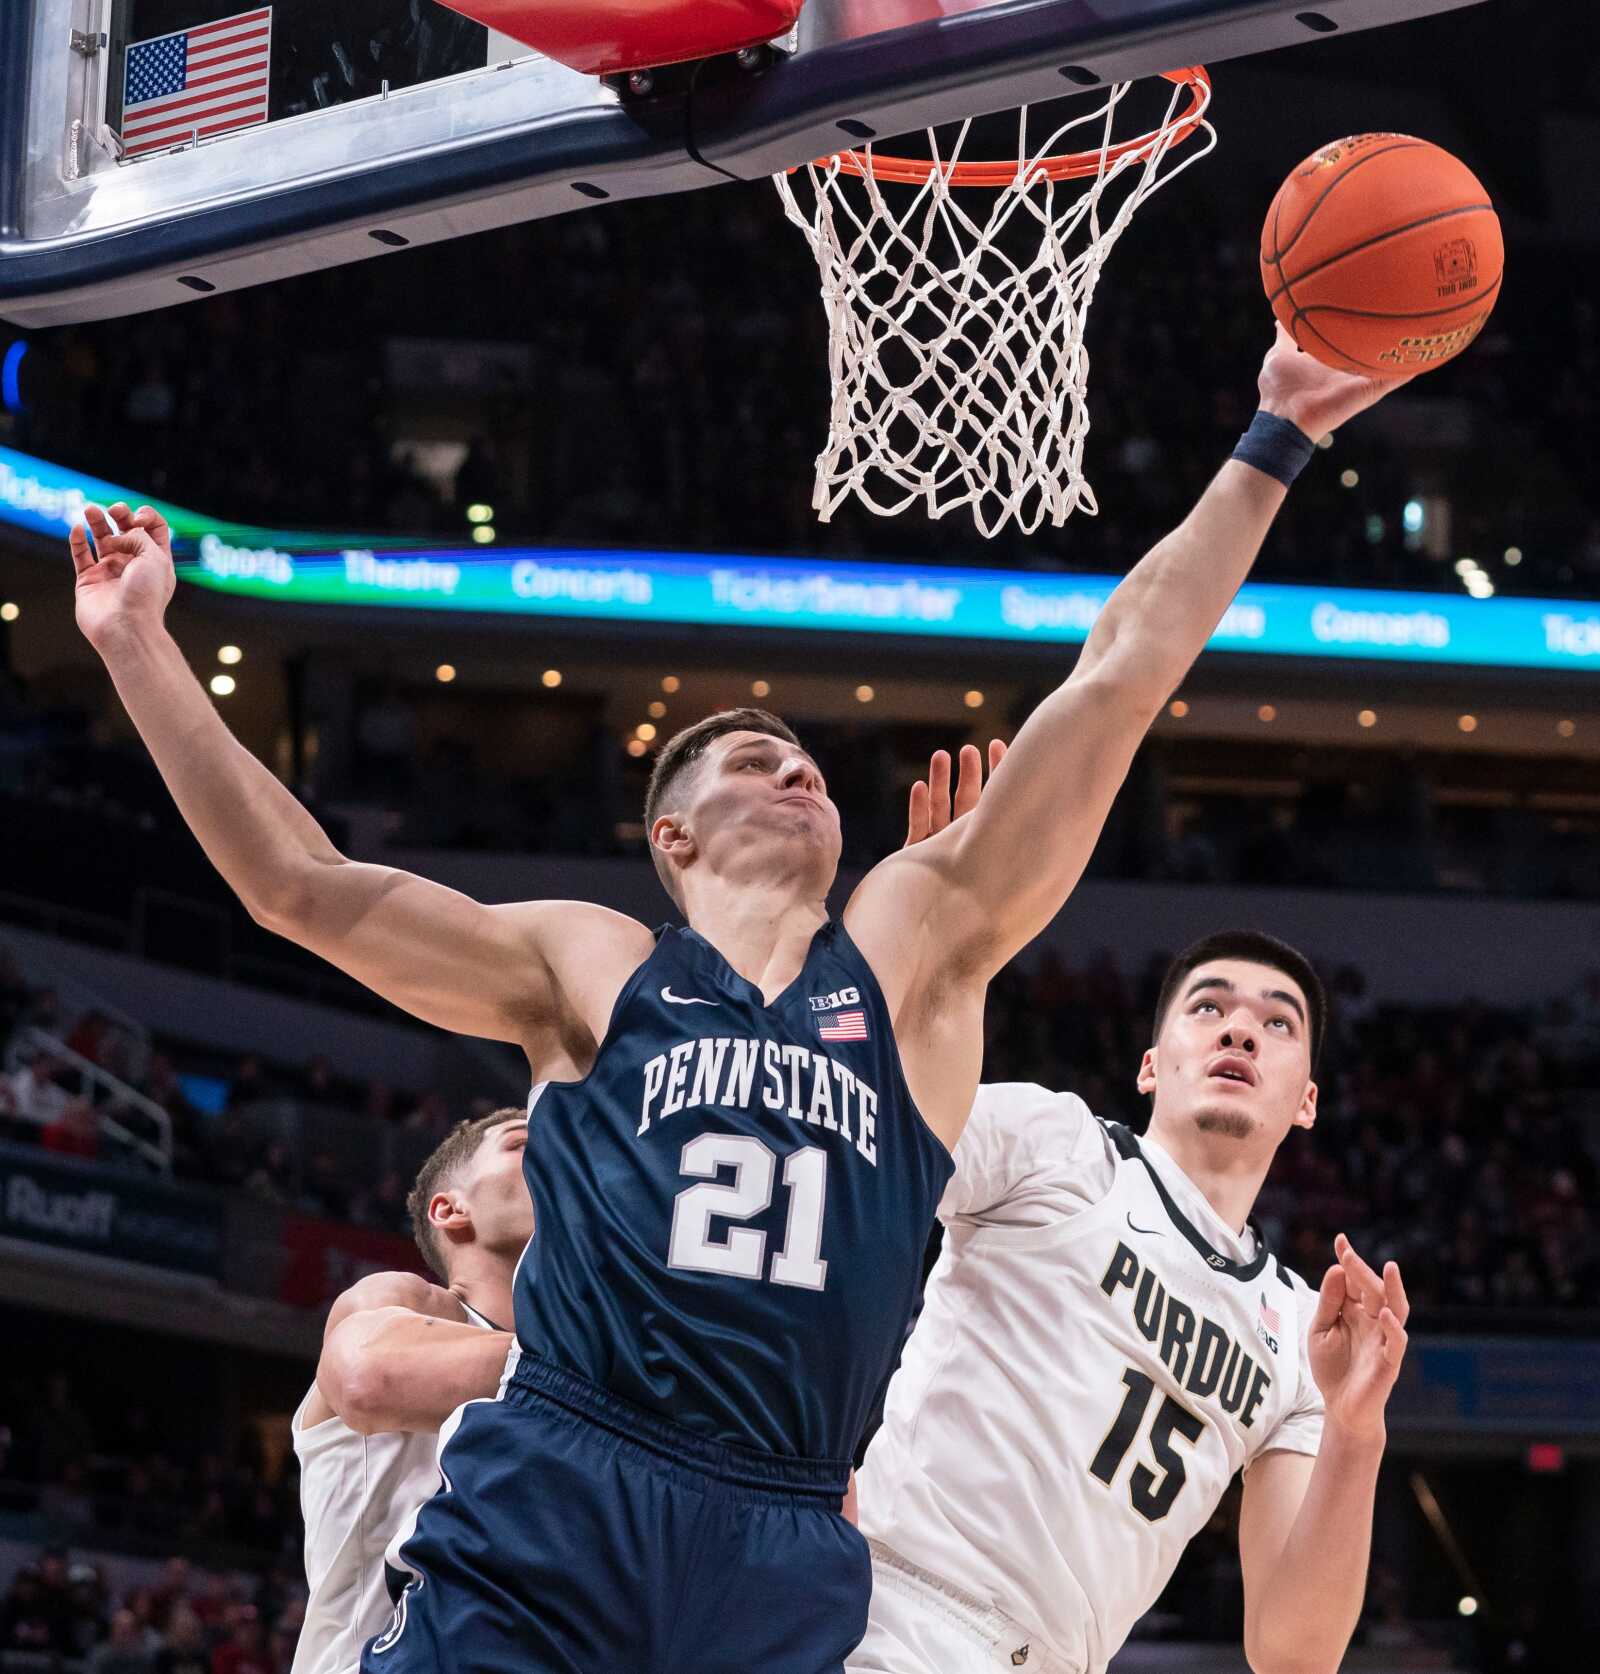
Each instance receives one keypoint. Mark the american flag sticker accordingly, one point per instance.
(208, 79)
(842, 1025)
(1269, 1316)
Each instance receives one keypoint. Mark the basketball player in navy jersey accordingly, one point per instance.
(746, 1124)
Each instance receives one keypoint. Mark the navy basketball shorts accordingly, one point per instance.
(577, 1534)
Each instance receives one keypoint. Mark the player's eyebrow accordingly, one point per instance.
(1285, 998)
(1282, 996)
(770, 746)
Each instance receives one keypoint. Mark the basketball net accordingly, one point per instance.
(959, 371)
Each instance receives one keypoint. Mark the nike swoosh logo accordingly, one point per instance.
(1149, 1231)
(673, 1000)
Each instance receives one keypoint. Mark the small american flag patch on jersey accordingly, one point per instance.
(842, 1025)
(1269, 1317)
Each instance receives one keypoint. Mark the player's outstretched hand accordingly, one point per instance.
(931, 809)
(1313, 396)
(1358, 1340)
(125, 576)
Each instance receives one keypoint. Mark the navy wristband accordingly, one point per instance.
(1276, 446)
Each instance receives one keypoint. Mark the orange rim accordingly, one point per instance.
(1070, 165)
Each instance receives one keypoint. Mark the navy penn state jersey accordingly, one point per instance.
(731, 1209)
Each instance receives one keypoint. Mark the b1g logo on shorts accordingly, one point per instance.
(832, 1002)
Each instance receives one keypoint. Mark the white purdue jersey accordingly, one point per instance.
(1096, 1356)
(355, 1491)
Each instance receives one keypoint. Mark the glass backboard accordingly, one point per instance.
(153, 151)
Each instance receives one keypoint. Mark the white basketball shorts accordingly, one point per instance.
(919, 1624)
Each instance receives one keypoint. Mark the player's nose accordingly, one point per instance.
(1238, 1036)
(800, 774)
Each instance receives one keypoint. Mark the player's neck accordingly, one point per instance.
(1226, 1172)
(483, 1282)
(762, 929)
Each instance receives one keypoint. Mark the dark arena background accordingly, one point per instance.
(206, 1134)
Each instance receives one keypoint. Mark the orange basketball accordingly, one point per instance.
(1382, 254)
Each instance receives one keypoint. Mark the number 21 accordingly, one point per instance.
(742, 1252)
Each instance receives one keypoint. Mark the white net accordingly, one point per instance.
(955, 336)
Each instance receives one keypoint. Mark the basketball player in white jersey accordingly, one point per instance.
(399, 1355)
(1106, 1340)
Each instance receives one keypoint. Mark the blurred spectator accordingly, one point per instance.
(61, 1430)
(74, 1132)
(125, 1651)
(430, 1117)
(243, 1648)
(91, 1037)
(66, 1500)
(35, 1091)
(183, 1646)
(249, 1083)
(29, 1619)
(383, 1206)
(273, 1179)
(317, 1082)
(170, 1593)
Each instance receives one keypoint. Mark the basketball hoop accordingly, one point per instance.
(959, 370)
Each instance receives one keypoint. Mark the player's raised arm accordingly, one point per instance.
(1001, 875)
(438, 954)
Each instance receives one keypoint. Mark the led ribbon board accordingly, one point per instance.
(800, 595)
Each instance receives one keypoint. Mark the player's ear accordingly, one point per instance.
(670, 836)
(1146, 1080)
(448, 1212)
(1306, 1115)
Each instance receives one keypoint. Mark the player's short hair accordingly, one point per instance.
(1258, 948)
(448, 1158)
(684, 749)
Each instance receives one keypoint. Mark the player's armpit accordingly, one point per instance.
(392, 1369)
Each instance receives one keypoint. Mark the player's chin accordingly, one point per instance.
(808, 827)
(1226, 1121)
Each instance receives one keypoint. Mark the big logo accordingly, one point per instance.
(832, 1002)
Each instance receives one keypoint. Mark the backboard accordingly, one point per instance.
(374, 125)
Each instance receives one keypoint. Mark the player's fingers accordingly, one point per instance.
(120, 513)
(100, 526)
(969, 784)
(939, 790)
(78, 546)
(1330, 1300)
(917, 822)
(1394, 1338)
(997, 752)
(1394, 1291)
(1363, 1282)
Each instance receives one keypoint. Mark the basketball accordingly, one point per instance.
(1382, 254)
